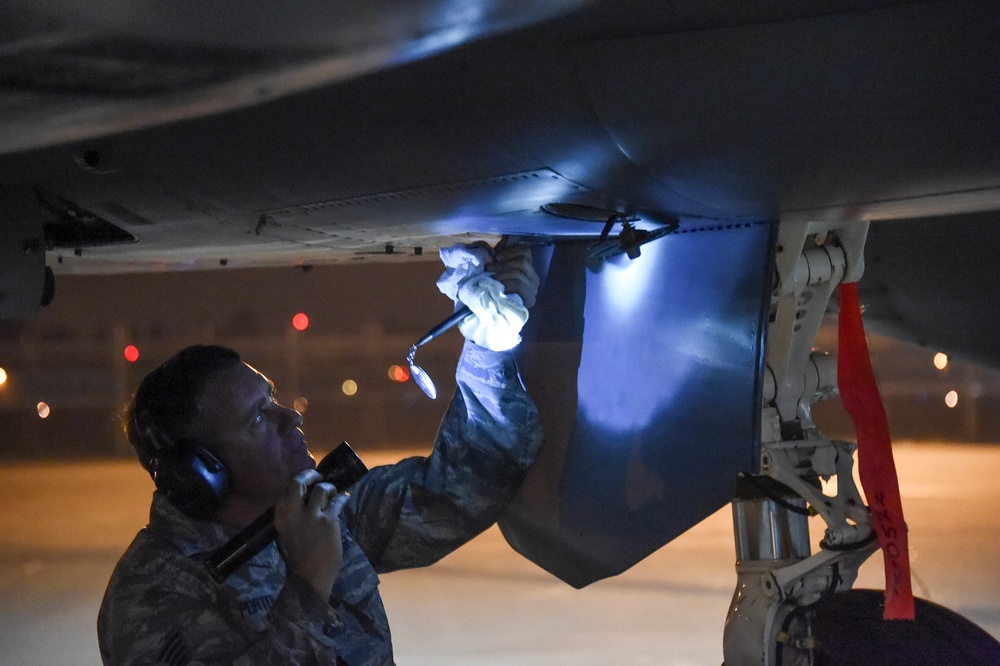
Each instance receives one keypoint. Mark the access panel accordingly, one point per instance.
(646, 372)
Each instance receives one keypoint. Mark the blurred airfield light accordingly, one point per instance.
(951, 399)
(940, 361)
(349, 387)
(398, 373)
(43, 410)
(3, 376)
(131, 353)
(300, 321)
(300, 404)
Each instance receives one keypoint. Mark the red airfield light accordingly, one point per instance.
(131, 353)
(398, 373)
(300, 321)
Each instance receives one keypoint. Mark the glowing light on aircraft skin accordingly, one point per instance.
(951, 399)
(940, 361)
(651, 336)
(349, 387)
(624, 284)
(459, 21)
(43, 410)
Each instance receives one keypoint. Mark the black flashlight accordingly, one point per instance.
(342, 467)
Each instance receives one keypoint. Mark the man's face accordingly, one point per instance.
(258, 440)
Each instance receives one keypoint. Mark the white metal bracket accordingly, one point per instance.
(775, 584)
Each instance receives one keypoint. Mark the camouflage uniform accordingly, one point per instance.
(162, 606)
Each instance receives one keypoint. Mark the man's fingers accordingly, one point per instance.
(514, 269)
(309, 491)
(319, 496)
(299, 487)
(309, 530)
(479, 244)
(512, 253)
(520, 285)
(336, 504)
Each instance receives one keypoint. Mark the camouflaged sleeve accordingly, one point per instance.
(415, 512)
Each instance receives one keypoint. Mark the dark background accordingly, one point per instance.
(363, 317)
(362, 320)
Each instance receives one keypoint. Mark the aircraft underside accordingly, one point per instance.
(695, 182)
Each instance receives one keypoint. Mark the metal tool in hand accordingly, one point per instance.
(422, 379)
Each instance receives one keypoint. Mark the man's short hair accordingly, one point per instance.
(159, 417)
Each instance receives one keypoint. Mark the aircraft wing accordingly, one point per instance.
(816, 110)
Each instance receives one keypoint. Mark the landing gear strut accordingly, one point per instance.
(779, 582)
(792, 606)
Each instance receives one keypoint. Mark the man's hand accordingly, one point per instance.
(512, 267)
(307, 520)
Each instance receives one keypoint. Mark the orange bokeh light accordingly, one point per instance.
(398, 373)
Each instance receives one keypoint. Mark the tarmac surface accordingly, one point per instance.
(64, 525)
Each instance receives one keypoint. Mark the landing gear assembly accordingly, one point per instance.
(792, 606)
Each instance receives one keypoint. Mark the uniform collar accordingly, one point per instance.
(189, 535)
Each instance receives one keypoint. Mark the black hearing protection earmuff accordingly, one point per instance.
(193, 479)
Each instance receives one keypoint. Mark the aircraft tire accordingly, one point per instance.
(849, 629)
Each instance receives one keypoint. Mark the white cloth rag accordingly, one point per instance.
(499, 317)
